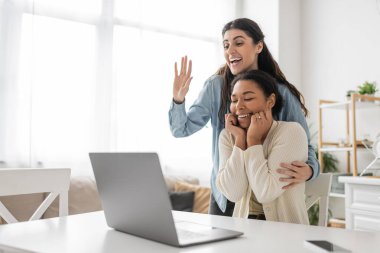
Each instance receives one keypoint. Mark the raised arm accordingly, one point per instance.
(183, 124)
(231, 179)
(182, 80)
(288, 144)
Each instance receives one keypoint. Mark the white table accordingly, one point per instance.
(89, 233)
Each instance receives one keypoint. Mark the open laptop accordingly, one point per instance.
(135, 201)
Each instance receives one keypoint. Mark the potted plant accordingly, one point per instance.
(349, 93)
(367, 88)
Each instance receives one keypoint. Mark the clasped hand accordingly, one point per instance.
(256, 132)
(294, 172)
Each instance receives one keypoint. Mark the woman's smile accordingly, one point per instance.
(235, 62)
(244, 115)
(244, 119)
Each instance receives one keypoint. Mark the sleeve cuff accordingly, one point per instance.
(313, 174)
(178, 103)
(174, 106)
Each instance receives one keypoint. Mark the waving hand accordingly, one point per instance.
(182, 80)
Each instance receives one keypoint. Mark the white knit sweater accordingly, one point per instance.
(254, 169)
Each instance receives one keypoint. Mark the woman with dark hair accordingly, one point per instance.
(251, 148)
(244, 50)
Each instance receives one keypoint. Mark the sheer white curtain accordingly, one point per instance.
(96, 75)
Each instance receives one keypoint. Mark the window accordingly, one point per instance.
(85, 75)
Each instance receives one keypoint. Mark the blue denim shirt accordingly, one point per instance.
(206, 107)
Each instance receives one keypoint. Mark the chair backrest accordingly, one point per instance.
(319, 189)
(15, 181)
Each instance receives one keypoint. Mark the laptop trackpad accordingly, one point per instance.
(190, 233)
(193, 227)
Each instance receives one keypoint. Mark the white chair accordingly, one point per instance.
(16, 181)
(319, 189)
(375, 151)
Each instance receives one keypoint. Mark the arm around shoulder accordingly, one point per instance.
(292, 112)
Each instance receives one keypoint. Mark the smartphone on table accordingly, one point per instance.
(324, 246)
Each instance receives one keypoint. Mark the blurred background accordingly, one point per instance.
(79, 76)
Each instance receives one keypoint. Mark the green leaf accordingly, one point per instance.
(367, 88)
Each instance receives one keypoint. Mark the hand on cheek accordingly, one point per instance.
(236, 131)
(232, 127)
(259, 127)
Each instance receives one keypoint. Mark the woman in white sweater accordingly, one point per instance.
(253, 145)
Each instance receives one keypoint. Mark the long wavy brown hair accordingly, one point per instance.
(266, 63)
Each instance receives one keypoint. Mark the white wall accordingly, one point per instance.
(340, 46)
(340, 50)
(289, 40)
(265, 14)
(280, 23)
(325, 48)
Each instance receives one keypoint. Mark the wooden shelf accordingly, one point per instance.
(337, 195)
(337, 220)
(345, 105)
(335, 105)
(335, 149)
(352, 144)
(359, 144)
(337, 223)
